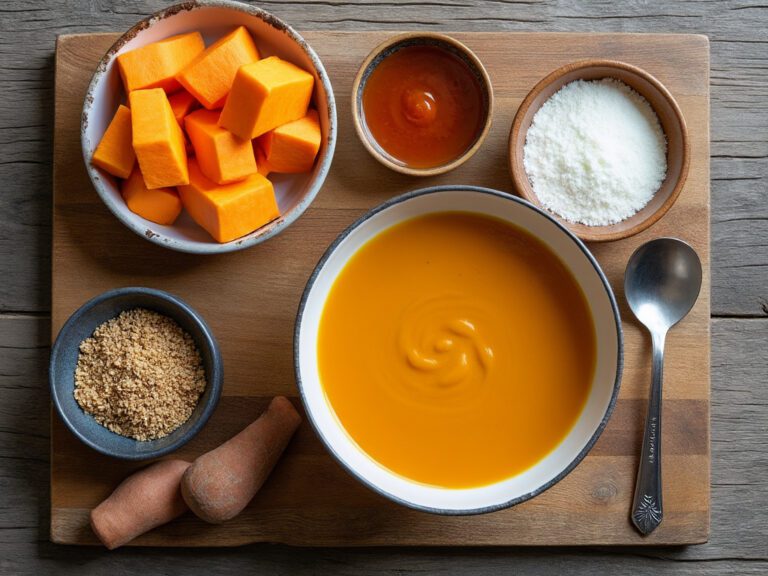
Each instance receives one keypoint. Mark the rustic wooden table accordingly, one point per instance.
(738, 33)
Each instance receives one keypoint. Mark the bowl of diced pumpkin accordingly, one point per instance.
(209, 126)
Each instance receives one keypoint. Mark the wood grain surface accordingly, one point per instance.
(250, 300)
(738, 33)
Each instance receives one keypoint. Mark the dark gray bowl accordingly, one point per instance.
(81, 325)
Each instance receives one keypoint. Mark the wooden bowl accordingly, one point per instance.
(670, 117)
(387, 48)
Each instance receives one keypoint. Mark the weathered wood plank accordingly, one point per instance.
(282, 561)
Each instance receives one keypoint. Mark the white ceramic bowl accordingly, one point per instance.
(212, 18)
(590, 423)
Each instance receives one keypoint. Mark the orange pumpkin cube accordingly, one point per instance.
(161, 205)
(264, 95)
(156, 65)
(210, 75)
(115, 151)
(229, 211)
(262, 166)
(292, 147)
(222, 156)
(182, 103)
(157, 139)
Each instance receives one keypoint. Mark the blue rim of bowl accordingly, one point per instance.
(285, 220)
(619, 352)
(214, 379)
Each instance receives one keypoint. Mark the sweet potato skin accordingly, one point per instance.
(222, 482)
(143, 501)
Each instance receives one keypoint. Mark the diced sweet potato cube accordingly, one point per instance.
(157, 139)
(115, 151)
(210, 75)
(182, 103)
(264, 95)
(262, 166)
(222, 156)
(292, 147)
(161, 205)
(156, 65)
(229, 211)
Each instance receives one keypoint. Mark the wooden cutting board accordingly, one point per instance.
(250, 299)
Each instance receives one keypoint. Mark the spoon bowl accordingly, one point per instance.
(661, 284)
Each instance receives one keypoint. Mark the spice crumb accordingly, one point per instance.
(140, 375)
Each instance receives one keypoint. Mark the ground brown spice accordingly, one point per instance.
(139, 374)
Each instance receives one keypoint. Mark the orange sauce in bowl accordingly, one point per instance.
(424, 106)
(456, 350)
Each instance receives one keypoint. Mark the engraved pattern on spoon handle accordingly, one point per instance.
(647, 510)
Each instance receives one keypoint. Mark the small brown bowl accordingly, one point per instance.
(388, 48)
(670, 117)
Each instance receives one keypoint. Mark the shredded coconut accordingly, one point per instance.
(595, 152)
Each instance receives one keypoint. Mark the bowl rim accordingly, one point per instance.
(214, 380)
(284, 221)
(515, 152)
(357, 114)
(616, 320)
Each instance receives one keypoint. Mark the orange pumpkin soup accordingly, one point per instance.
(456, 350)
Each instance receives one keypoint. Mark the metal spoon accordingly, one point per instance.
(661, 283)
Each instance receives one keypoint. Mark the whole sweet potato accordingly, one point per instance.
(143, 501)
(220, 484)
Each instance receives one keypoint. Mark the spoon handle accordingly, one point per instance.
(647, 510)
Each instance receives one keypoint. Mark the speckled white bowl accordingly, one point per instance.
(212, 18)
(605, 384)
